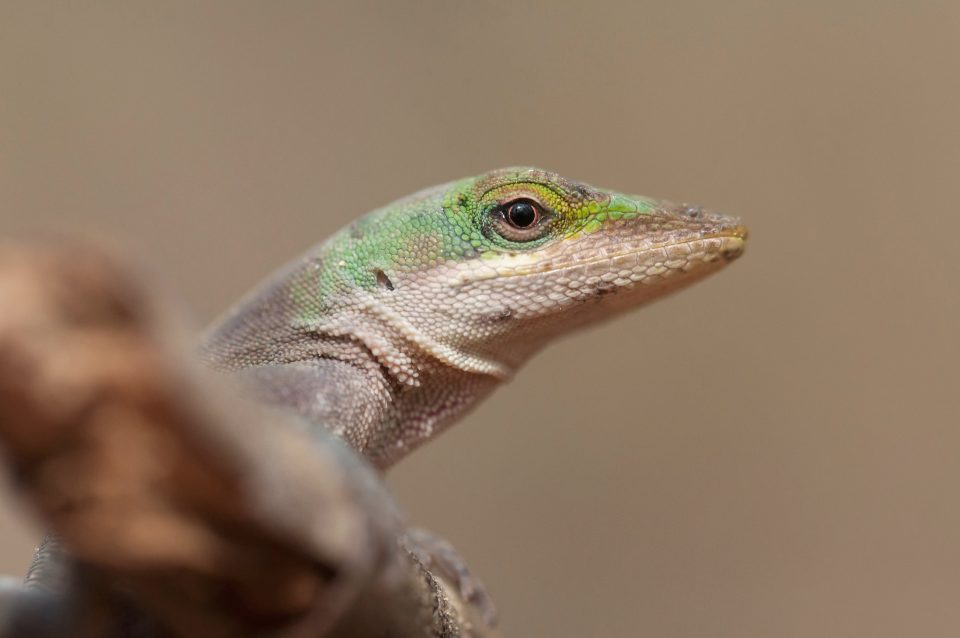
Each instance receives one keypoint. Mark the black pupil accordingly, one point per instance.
(522, 214)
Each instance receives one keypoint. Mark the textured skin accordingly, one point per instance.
(394, 327)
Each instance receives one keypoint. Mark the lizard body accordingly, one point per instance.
(389, 331)
(394, 327)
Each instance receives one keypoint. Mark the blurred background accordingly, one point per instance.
(771, 453)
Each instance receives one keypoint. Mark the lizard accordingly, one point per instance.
(393, 328)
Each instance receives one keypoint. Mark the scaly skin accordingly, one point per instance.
(397, 325)
(390, 330)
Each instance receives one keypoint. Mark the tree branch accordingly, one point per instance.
(188, 511)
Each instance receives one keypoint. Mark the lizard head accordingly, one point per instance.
(480, 273)
(438, 297)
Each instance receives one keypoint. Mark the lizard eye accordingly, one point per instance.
(521, 220)
(522, 213)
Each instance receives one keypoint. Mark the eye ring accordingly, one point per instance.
(521, 220)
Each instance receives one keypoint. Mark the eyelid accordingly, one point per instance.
(551, 187)
(506, 202)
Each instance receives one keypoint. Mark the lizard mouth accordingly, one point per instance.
(657, 264)
(647, 264)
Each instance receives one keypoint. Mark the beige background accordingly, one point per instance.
(773, 453)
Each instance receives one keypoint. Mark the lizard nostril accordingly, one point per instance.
(732, 253)
(733, 248)
(693, 212)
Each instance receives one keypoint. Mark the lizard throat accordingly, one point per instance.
(401, 362)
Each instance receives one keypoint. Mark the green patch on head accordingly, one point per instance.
(506, 211)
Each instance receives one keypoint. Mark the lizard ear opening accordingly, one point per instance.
(382, 280)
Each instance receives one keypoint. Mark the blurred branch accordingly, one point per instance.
(186, 510)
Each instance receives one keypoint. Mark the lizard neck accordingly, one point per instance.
(391, 409)
(379, 392)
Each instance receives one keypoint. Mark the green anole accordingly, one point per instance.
(393, 328)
